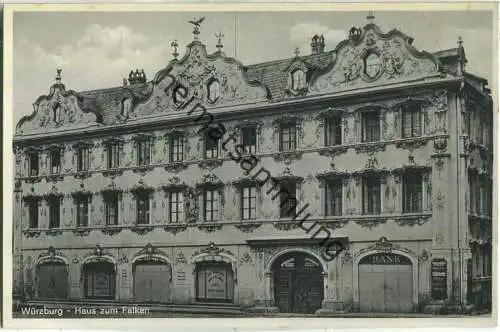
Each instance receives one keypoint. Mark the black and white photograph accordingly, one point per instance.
(226, 163)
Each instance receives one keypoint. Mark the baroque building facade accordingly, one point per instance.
(120, 196)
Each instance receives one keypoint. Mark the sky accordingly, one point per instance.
(98, 49)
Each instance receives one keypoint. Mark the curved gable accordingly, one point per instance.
(370, 58)
(213, 80)
(60, 110)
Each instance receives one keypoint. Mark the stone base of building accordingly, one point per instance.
(329, 307)
(264, 310)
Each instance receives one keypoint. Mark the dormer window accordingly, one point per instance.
(372, 65)
(213, 91)
(298, 79)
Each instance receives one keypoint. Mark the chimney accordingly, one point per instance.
(137, 77)
(317, 44)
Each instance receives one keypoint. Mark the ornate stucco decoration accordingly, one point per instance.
(61, 109)
(371, 222)
(245, 259)
(151, 253)
(384, 245)
(213, 250)
(371, 167)
(371, 58)
(51, 256)
(98, 254)
(287, 175)
(180, 258)
(248, 226)
(190, 81)
(411, 166)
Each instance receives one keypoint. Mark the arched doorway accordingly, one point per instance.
(298, 283)
(385, 283)
(99, 280)
(214, 282)
(152, 281)
(52, 280)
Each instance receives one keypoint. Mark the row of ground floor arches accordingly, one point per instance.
(296, 281)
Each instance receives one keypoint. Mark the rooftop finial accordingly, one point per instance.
(370, 17)
(58, 76)
(297, 51)
(219, 44)
(460, 41)
(175, 44)
(196, 23)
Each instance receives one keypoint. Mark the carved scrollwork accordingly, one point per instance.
(32, 233)
(210, 227)
(175, 228)
(286, 226)
(248, 227)
(53, 231)
(81, 231)
(176, 167)
(371, 222)
(288, 156)
(141, 229)
(112, 172)
(370, 147)
(332, 151)
(210, 164)
(111, 230)
(412, 220)
(412, 144)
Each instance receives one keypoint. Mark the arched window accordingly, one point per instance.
(213, 91)
(298, 79)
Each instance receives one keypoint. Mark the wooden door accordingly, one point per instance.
(385, 283)
(151, 282)
(53, 281)
(215, 282)
(298, 284)
(99, 280)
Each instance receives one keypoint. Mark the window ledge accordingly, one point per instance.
(333, 150)
(141, 229)
(53, 231)
(82, 174)
(248, 226)
(32, 232)
(175, 228)
(54, 177)
(288, 156)
(33, 179)
(111, 229)
(111, 172)
(412, 143)
(143, 169)
(370, 146)
(176, 166)
(210, 164)
(479, 217)
(210, 226)
(81, 231)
